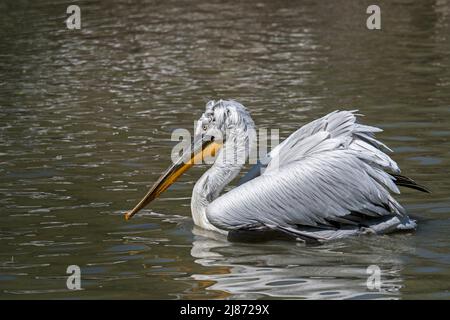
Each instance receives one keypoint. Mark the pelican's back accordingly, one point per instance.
(329, 179)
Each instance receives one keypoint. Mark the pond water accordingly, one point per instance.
(86, 118)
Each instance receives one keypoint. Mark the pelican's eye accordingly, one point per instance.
(205, 127)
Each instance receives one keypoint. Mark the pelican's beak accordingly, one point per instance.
(200, 149)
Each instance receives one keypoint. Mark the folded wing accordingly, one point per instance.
(330, 171)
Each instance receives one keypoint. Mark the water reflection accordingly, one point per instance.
(294, 270)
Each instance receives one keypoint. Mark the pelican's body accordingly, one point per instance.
(329, 179)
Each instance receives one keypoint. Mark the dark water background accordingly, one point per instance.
(86, 118)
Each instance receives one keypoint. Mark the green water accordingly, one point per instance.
(86, 118)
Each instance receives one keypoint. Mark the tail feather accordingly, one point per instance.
(409, 183)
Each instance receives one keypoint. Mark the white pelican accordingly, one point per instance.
(328, 180)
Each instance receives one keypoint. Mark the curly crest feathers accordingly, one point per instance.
(226, 114)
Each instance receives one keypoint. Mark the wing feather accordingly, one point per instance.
(323, 173)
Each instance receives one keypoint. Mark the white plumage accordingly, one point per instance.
(329, 179)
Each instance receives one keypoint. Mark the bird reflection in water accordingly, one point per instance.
(281, 269)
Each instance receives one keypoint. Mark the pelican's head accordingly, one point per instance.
(222, 121)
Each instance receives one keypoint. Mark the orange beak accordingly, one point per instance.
(198, 152)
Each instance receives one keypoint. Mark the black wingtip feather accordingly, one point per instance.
(409, 183)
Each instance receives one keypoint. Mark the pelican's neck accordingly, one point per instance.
(212, 182)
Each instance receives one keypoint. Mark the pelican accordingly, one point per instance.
(328, 180)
